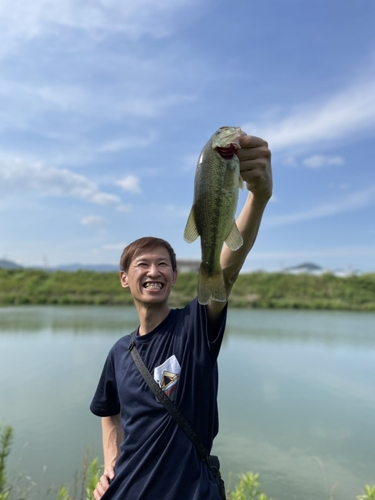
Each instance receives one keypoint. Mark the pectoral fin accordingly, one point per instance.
(240, 182)
(234, 239)
(191, 231)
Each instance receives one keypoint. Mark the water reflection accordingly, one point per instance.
(296, 396)
(77, 320)
(327, 327)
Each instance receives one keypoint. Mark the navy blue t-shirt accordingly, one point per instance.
(157, 460)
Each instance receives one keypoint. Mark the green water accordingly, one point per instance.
(297, 395)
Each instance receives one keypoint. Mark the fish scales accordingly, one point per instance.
(216, 186)
(216, 202)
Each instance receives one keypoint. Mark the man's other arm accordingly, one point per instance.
(112, 435)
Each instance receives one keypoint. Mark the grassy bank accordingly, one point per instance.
(258, 290)
(247, 488)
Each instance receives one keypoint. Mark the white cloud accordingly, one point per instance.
(353, 201)
(130, 183)
(351, 111)
(63, 82)
(93, 220)
(319, 161)
(22, 101)
(127, 143)
(132, 19)
(150, 106)
(124, 208)
(51, 181)
(290, 161)
(29, 103)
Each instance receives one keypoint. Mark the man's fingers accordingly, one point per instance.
(247, 165)
(251, 141)
(255, 165)
(104, 479)
(101, 487)
(245, 154)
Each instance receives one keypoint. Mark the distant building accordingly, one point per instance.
(344, 273)
(314, 269)
(188, 266)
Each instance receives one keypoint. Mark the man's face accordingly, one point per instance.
(150, 276)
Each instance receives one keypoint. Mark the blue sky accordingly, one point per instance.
(105, 106)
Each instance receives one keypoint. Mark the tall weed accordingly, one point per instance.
(6, 437)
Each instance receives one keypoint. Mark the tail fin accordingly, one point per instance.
(211, 286)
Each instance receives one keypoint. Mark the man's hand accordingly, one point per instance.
(255, 166)
(103, 483)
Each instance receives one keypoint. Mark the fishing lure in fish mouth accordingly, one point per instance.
(216, 184)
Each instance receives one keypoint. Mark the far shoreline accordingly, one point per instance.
(257, 290)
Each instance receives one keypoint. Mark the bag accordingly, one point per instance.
(214, 465)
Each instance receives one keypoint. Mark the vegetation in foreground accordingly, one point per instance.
(256, 290)
(248, 487)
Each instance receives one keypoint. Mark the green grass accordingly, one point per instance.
(257, 290)
(286, 291)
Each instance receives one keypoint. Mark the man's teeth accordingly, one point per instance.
(154, 286)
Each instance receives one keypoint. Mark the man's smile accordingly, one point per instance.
(153, 285)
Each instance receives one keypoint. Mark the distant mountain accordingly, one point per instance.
(7, 264)
(183, 266)
(306, 267)
(97, 268)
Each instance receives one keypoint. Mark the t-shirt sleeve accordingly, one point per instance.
(106, 402)
(215, 343)
(199, 326)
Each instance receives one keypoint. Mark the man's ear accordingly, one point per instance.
(175, 274)
(124, 279)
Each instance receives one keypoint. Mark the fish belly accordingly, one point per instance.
(215, 204)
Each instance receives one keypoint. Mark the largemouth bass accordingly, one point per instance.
(216, 184)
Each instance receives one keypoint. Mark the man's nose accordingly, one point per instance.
(153, 270)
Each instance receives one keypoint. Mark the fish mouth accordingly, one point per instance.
(153, 285)
(227, 138)
(227, 152)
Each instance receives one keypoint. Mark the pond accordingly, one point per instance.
(296, 397)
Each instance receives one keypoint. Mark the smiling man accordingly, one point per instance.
(147, 456)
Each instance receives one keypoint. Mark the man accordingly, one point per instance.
(146, 455)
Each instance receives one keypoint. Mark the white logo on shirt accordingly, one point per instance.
(167, 374)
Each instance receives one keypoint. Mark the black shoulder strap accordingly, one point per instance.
(168, 403)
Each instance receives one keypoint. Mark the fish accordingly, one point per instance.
(216, 190)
